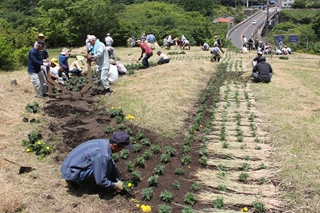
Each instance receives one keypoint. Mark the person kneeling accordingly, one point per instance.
(92, 161)
(262, 72)
(163, 58)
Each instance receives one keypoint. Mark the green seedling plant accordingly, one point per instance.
(108, 129)
(186, 160)
(145, 141)
(115, 157)
(187, 209)
(170, 150)
(139, 162)
(195, 186)
(166, 196)
(245, 167)
(153, 180)
(128, 185)
(251, 117)
(225, 145)
(179, 171)
(262, 166)
(185, 149)
(121, 126)
(139, 135)
(243, 146)
(130, 166)
(100, 112)
(203, 160)
(259, 207)
(147, 193)
(218, 203)
(129, 131)
(136, 148)
(165, 158)
(163, 208)
(261, 180)
(155, 149)
(258, 148)
(87, 113)
(243, 177)
(222, 188)
(136, 176)
(147, 154)
(113, 112)
(124, 154)
(119, 119)
(176, 185)
(159, 169)
(203, 151)
(190, 198)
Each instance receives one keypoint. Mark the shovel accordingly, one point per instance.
(23, 169)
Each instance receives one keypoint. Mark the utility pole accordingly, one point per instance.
(267, 22)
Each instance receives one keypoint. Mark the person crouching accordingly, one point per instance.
(163, 58)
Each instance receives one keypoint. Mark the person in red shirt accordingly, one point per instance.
(147, 51)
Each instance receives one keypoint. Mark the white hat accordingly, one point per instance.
(259, 53)
(108, 34)
(92, 37)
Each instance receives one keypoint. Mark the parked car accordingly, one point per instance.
(254, 22)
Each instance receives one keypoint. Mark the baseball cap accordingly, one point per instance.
(92, 37)
(122, 138)
(108, 34)
(159, 52)
(259, 53)
(55, 61)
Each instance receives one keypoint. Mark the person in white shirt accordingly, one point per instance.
(163, 58)
(109, 40)
(113, 72)
(56, 72)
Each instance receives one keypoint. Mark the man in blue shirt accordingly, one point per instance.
(35, 73)
(93, 160)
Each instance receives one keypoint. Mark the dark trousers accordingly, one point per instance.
(145, 60)
(257, 79)
(163, 61)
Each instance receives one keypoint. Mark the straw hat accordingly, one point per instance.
(55, 61)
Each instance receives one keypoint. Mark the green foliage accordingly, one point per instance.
(136, 148)
(32, 108)
(159, 169)
(165, 158)
(170, 150)
(166, 196)
(195, 186)
(163, 208)
(147, 193)
(136, 176)
(130, 166)
(139, 135)
(190, 198)
(6, 54)
(124, 154)
(128, 185)
(218, 203)
(139, 161)
(115, 157)
(108, 129)
(186, 160)
(222, 188)
(176, 185)
(153, 180)
(22, 55)
(187, 209)
(113, 112)
(179, 171)
(155, 149)
(147, 154)
(145, 141)
(259, 207)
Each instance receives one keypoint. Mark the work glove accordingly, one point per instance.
(119, 186)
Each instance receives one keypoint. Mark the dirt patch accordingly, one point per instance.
(79, 119)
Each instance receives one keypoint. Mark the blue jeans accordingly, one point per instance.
(145, 60)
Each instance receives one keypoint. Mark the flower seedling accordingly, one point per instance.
(159, 169)
(195, 187)
(147, 193)
(203, 161)
(121, 126)
(179, 171)
(139, 135)
(145, 208)
(262, 180)
(100, 112)
(115, 157)
(222, 188)
(245, 167)
(139, 161)
(243, 146)
(108, 129)
(222, 168)
(243, 177)
(136, 147)
(136, 176)
(147, 154)
(130, 166)
(186, 160)
(166, 196)
(153, 180)
(258, 148)
(113, 112)
(225, 144)
(87, 113)
(165, 158)
(124, 154)
(218, 203)
(145, 141)
(240, 138)
(190, 198)
(170, 150)
(155, 149)
(129, 131)
(128, 185)
(119, 119)
(176, 185)
(251, 117)
(262, 166)
(187, 209)
(259, 207)
(163, 208)
(186, 149)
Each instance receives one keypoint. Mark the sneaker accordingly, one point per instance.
(72, 185)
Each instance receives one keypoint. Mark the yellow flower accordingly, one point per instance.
(112, 107)
(138, 205)
(48, 148)
(200, 126)
(241, 210)
(28, 150)
(189, 167)
(245, 209)
(195, 130)
(146, 208)
(39, 142)
(129, 185)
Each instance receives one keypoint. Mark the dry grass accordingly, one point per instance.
(160, 99)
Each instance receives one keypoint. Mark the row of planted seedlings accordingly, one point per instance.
(233, 135)
(154, 175)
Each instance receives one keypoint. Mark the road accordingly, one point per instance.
(247, 28)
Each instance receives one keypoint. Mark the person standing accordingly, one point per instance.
(43, 53)
(244, 41)
(163, 58)
(35, 73)
(108, 40)
(262, 72)
(92, 160)
(169, 41)
(147, 51)
(101, 56)
(143, 38)
(256, 44)
(280, 44)
(219, 42)
(151, 39)
(250, 44)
